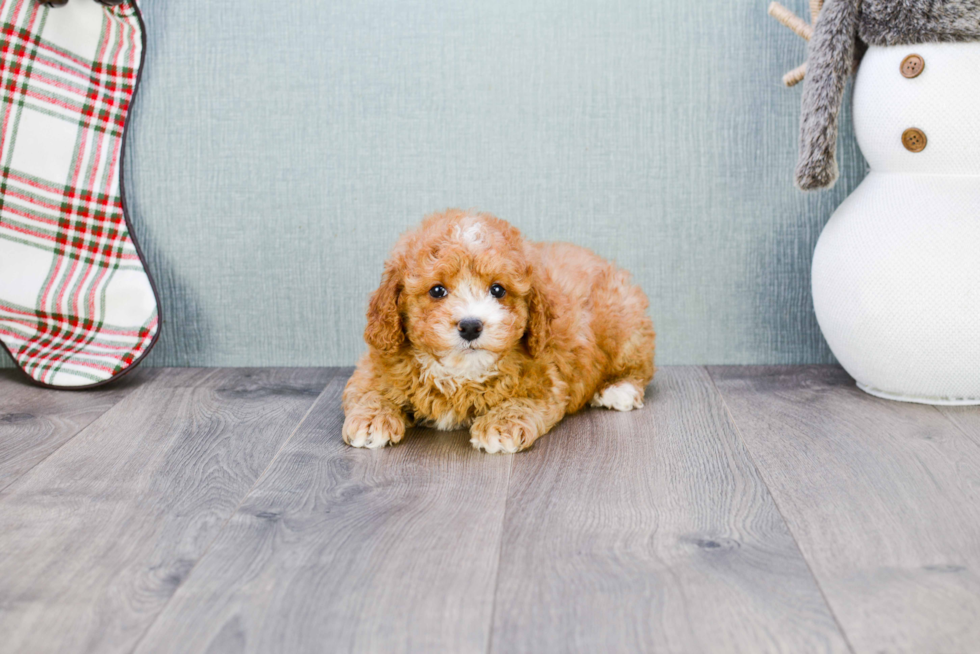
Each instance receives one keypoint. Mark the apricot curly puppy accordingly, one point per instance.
(475, 327)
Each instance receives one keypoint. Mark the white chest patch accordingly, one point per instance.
(446, 422)
(448, 372)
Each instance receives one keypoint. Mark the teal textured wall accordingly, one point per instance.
(278, 149)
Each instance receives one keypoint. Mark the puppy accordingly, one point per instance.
(475, 327)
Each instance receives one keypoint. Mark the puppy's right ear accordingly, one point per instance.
(541, 311)
(384, 329)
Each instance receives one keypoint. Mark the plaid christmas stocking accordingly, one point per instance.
(77, 307)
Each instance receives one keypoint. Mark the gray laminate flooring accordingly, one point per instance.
(741, 510)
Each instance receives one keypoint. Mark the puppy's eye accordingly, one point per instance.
(438, 291)
(498, 291)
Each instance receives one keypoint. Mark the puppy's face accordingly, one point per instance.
(465, 291)
(464, 311)
(462, 289)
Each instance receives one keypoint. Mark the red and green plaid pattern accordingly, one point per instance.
(76, 304)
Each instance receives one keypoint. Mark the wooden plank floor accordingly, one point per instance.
(742, 510)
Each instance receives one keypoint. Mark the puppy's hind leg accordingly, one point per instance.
(619, 396)
(632, 371)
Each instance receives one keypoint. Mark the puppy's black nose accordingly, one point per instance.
(470, 328)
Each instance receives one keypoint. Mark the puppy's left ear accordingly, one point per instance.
(541, 309)
(384, 329)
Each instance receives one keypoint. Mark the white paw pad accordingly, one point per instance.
(623, 396)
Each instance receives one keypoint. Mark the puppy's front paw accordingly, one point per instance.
(506, 436)
(372, 430)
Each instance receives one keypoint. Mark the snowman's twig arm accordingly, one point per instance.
(830, 61)
(790, 20)
(795, 76)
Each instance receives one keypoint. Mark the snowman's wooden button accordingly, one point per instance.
(912, 66)
(914, 139)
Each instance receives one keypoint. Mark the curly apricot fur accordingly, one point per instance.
(570, 326)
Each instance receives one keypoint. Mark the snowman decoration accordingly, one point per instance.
(896, 271)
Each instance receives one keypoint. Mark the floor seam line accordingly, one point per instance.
(55, 450)
(500, 551)
(68, 440)
(956, 425)
(775, 502)
(231, 515)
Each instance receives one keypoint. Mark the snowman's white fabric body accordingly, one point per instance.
(896, 272)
